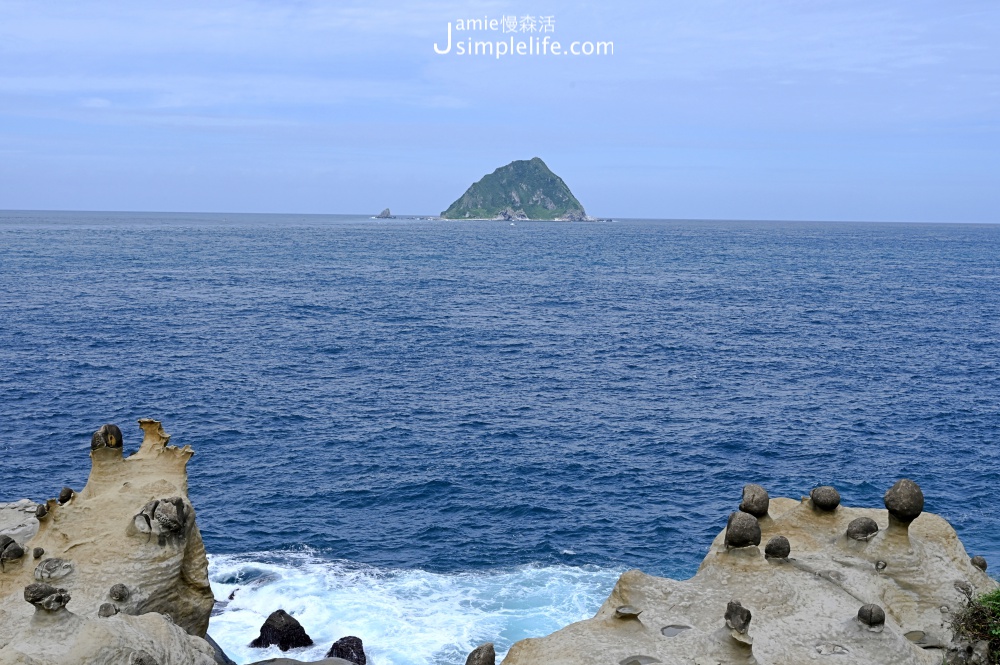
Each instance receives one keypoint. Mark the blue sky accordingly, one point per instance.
(707, 109)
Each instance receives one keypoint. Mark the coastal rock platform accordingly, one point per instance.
(814, 604)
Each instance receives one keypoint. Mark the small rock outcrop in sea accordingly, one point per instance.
(809, 609)
(129, 588)
(521, 190)
(349, 648)
(484, 654)
(283, 630)
(385, 214)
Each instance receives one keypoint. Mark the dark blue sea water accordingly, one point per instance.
(496, 418)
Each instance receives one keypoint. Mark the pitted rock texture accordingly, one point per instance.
(803, 611)
(56, 636)
(90, 543)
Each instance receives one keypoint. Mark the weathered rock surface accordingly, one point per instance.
(89, 544)
(804, 609)
(349, 648)
(54, 635)
(283, 630)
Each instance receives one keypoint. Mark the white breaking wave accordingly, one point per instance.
(404, 617)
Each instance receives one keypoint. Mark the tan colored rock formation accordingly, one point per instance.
(131, 528)
(804, 608)
(56, 636)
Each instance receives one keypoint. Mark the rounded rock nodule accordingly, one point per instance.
(65, 495)
(41, 511)
(107, 610)
(862, 528)
(755, 500)
(742, 530)
(871, 615)
(904, 500)
(37, 553)
(108, 436)
(979, 562)
(825, 498)
(119, 593)
(778, 548)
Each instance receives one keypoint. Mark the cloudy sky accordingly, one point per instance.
(848, 110)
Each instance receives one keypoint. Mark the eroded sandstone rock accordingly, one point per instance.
(804, 611)
(87, 542)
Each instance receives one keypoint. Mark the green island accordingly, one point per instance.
(522, 190)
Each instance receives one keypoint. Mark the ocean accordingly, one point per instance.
(434, 434)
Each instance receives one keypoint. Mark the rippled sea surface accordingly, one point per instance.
(446, 400)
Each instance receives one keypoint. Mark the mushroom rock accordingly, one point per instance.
(41, 511)
(283, 630)
(742, 530)
(825, 498)
(349, 648)
(90, 542)
(484, 654)
(755, 500)
(803, 610)
(65, 495)
(904, 500)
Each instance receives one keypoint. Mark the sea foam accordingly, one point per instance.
(404, 617)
